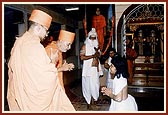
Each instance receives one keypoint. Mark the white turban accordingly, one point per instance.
(93, 43)
(92, 33)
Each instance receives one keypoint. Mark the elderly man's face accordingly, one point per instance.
(43, 33)
(64, 45)
(92, 38)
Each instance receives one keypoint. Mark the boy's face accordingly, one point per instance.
(111, 53)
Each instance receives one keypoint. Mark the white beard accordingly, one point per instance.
(62, 46)
(92, 43)
(62, 49)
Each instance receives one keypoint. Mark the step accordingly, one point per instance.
(150, 72)
(157, 65)
(144, 75)
(147, 91)
(141, 59)
(149, 78)
(149, 83)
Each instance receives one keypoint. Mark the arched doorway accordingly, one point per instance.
(145, 24)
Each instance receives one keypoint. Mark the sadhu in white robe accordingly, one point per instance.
(33, 84)
(90, 76)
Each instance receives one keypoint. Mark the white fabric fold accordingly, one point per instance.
(90, 75)
(128, 104)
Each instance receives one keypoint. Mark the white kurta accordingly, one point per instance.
(33, 83)
(126, 105)
(109, 81)
(90, 77)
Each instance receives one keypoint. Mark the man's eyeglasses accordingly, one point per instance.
(47, 33)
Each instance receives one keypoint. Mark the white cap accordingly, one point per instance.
(92, 33)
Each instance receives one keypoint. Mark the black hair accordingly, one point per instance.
(54, 34)
(121, 66)
(111, 49)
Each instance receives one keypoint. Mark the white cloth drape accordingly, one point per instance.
(109, 81)
(126, 105)
(90, 77)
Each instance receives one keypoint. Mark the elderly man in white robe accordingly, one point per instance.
(33, 84)
(91, 71)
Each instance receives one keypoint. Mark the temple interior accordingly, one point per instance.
(139, 22)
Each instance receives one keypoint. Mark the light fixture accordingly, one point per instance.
(73, 8)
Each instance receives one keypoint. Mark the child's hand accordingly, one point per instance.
(106, 91)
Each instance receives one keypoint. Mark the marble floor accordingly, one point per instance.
(148, 98)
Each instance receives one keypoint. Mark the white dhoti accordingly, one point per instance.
(90, 74)
(91, 85)
(128, 104)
